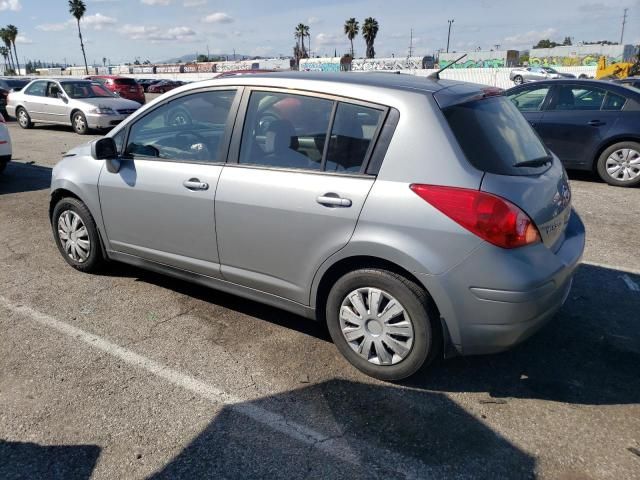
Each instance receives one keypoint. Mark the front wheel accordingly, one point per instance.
(76, 235)
(79, 122)
(24, 120)
(382, 323)
(619, 165)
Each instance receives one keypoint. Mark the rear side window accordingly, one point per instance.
(37, 89)
(126, 81)
(354, 127)
(613, 102)
(570, 97)
(494, 135)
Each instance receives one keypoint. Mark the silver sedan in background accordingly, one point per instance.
(532, 74)
(82, 104)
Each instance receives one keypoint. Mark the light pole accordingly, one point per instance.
(449, 34)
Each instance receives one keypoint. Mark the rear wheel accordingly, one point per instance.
(79, 122)
(24, 120)
(76, 235)
(382, 323)
(518, 80)
(619, 165)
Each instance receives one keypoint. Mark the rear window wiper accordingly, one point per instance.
(536, 162)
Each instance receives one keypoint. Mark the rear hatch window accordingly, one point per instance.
(496, 138)
(129, 82)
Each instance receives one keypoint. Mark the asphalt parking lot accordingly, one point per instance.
(129, 374)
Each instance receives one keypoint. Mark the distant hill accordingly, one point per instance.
(192, 56)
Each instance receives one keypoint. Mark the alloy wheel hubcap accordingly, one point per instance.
(624, 164)
(74, 236)
(376, 326)
(23, 118)
(79, 123)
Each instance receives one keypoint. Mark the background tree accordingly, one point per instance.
(567, 41)
(77, 8)
(13, 34)
(4, 36)
(351, 30)
(546, 43)
(4, 51)
(369, 32)
(302, 31)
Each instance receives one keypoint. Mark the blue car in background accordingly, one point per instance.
(589, 124)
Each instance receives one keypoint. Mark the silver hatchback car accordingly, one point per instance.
(418, 218)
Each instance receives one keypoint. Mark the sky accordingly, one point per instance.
(123, 30)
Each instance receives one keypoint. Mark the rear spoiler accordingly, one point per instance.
(465, 92)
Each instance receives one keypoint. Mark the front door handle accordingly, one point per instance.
(597, 123)
(195, 184)
(333, 200)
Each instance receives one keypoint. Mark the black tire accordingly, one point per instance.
(602, 164)
(23, 118)
(79, 123)
(518, 80)
(95, 260)
(418, 305)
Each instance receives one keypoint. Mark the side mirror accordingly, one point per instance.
(104, 149)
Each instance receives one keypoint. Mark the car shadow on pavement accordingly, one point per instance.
(588, 354)
(251, 308)
(345, 429)
(19, 460)
(23, 177)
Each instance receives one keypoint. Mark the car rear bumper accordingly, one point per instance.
(496, 298)
(104, 121)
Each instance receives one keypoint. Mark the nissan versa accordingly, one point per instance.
(418, 218)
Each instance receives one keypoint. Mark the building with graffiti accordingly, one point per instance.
(581, 55)
(481, 59)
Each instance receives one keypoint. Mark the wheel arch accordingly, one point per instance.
(351, 263)
(608, 143)
(68, 191)
(73, 112)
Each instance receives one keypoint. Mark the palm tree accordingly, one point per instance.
(369, 32)
(302, 31)
(77, 8)
(4, 51)
(4, 36)
(351, 30)
(13, 34)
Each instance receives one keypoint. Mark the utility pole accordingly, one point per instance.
(411, 44)
(449, 34)
(497, 45)
(624, 21)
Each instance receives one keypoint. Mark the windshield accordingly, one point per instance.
(549, 70)
(494, 135)
(86, 90)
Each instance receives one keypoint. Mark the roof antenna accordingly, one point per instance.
(436, 75)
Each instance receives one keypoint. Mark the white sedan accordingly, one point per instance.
(5, 144)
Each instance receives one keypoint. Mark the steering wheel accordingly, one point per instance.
(179, 116)
(199, 148)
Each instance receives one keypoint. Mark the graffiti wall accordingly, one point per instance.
(580, 55)
(386, 64)
(329, 64)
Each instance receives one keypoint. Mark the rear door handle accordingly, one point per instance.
(195, 184)
(333, 200)
(597, 123)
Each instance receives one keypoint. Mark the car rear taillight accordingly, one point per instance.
(490, 217)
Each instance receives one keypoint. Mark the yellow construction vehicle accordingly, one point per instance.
(617, 70)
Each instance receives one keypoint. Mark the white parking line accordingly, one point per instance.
(341, 447)
(633, 286)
